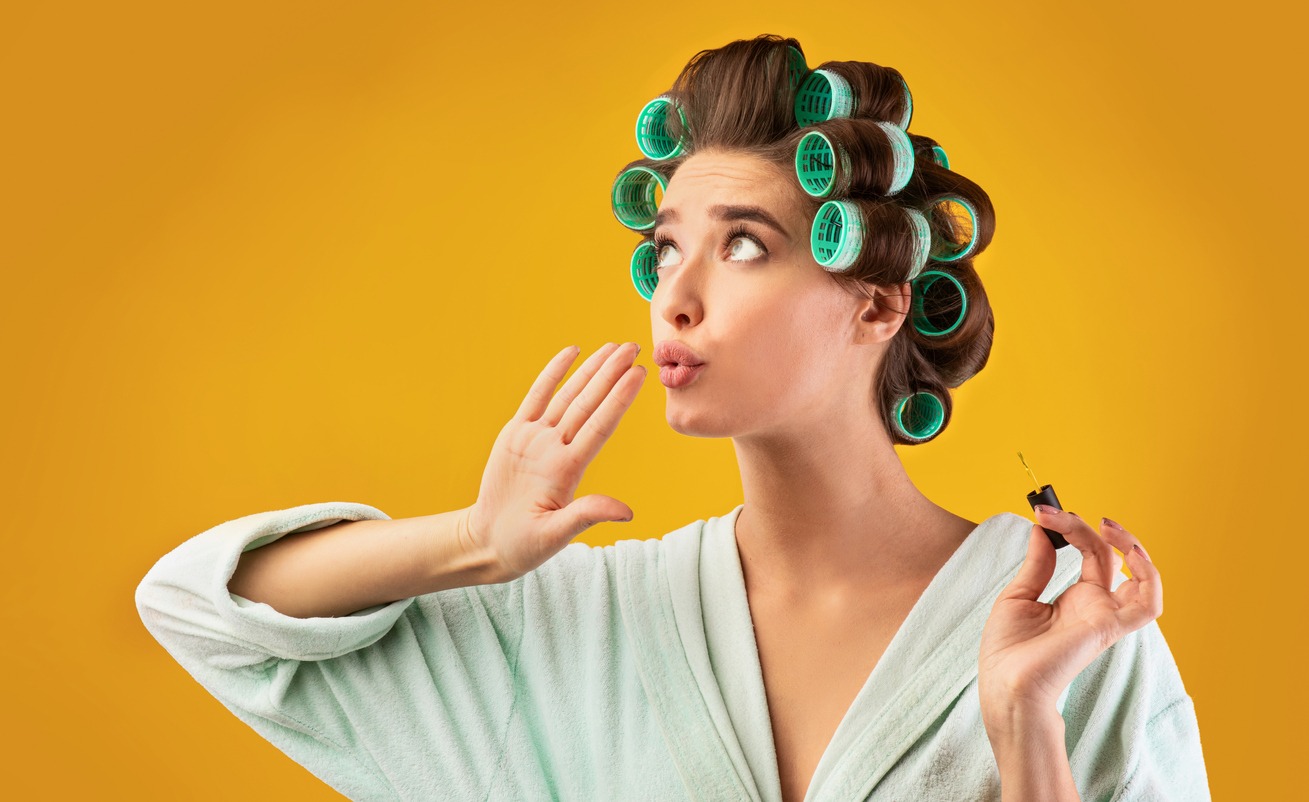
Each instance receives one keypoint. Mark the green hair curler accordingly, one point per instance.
(939, 303)
(837, 235)
(652, 135)
(918, 416)
(922, 234)
(902, 152)
(938, 156)
(908, 105)
(796, 65)
(633, 197)
(944, 251)
(815, 165)
(644, 276)
(823, 96)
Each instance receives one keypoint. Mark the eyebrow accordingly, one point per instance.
(726, 213)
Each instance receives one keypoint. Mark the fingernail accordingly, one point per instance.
(1113, 523)
(638, 347)
(1045, 509)
(1075, 515)
(1139, 550)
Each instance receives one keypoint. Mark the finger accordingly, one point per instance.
(1097, 559)
(1148, 603)
(589, 399)
(1035, 572)
(575, 383)
(1141, 599)
(587, 511)
(539, 394)
(597, 429)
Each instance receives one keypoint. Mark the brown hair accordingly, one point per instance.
(741, 97)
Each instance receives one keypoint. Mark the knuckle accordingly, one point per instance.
(598, 428)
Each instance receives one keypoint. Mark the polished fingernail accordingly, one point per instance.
(1075, 515)
(638, 347)
(1113, 523)
(1046, 509)
(1141, 551)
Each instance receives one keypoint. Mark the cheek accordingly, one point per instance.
(787, 348)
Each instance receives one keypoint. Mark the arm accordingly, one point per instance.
(389, 699)
(352, 565)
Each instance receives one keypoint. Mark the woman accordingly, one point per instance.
(836, 636)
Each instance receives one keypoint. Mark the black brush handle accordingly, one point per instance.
(1047, 497)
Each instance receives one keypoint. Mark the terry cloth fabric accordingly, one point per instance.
(631, 671)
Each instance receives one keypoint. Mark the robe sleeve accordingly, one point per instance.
(407, 699)
(1131, 727)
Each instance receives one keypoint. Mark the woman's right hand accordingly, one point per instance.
(525, 512)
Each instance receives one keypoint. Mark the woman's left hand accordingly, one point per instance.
(1030, 650)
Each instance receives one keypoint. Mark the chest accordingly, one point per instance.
(813, 668)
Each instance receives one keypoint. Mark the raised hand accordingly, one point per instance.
(1030, 650)
(525, 512)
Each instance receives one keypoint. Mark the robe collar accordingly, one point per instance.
(703, 676)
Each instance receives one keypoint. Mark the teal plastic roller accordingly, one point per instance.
(823, 96)
(815, 165)
(939, 303)
(837, 235)
(908, 105)
(922, 240)
(796, 66)
(918, 416)
(902, 155)
(644, 276)
(633, 197)
(652, 135)
(949, 251)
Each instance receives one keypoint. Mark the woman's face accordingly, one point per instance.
(777, 335)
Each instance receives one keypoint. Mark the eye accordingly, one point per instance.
(660, 244)
(741, 237)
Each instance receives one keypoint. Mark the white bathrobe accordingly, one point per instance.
(631, 672)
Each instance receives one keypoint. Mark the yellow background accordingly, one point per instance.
(258, 255)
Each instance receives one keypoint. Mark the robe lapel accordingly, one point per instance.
(659, 599)
(931, 659)
(705, 683)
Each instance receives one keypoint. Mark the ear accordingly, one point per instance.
(881, 316)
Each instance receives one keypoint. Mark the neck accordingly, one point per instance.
(831, 518)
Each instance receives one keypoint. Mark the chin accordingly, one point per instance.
(684, 420)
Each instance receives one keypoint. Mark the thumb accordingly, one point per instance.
(587, 511)
(1037, 568)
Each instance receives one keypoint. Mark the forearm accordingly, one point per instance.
(353, 565)
(1033, 759)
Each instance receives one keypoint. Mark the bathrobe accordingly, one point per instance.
(631, 672)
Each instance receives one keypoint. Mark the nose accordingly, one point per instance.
(677, 296)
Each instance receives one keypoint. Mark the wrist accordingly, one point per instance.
(1010, 724)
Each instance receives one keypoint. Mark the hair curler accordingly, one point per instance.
(644, 276)
(823, 96)
(939, 303)
(918, 416)
(652, 135)
(944, 250)
(633, 197)
(837, 235)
